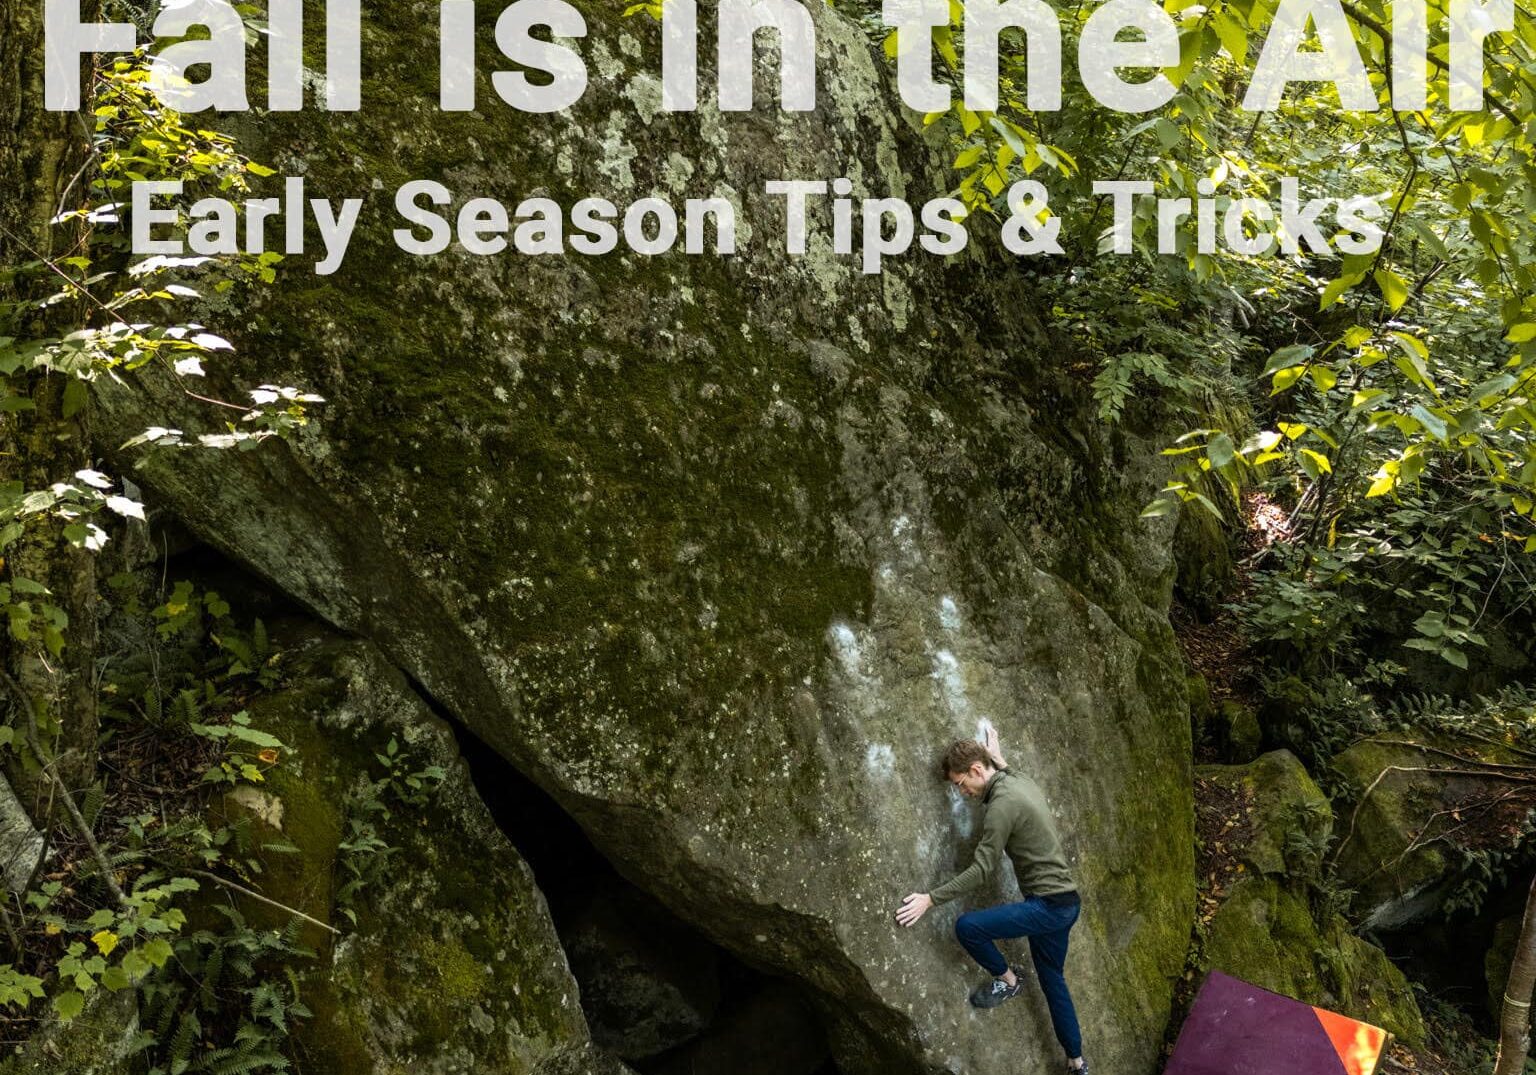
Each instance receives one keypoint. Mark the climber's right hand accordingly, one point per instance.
(913, 907)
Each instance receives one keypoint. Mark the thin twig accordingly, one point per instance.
(252, 894)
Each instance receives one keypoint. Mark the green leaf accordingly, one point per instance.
(1220, 451)
(1522, 333)
(68, 1005)
(1262, 441)
(1411, 366)
(1287, 357)
(1394, 289)
(1314, 463)
(1384, 483)
(1492, 387)
(1430, 421)
(74, 397)
(1286, 378)
(157, 952)
(1233, 37)
(1431, 240)
(1010, 135)
(1336, 288)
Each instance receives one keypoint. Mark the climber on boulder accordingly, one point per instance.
(1015, 821)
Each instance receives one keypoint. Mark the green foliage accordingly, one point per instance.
(1480, 871)
(1321, 714)
(115, 948)
(1395, 428)
(1307, 837)
(402, 783)
(213, 999)
(239, 763)
(1453, 1035)
(122, 308)
(237, 985)
(18, 990)
(364, 848)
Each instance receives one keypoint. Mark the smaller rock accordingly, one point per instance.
(448, 961)
(1201, 709)
(648, 983)
(1287, 818)
(1235, 732)
(1274, 821)
(1405, 825)
(1266, 934)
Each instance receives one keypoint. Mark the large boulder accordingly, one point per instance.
(1418, 808)
(721, 551)
(1235, 731)
(1280, 820)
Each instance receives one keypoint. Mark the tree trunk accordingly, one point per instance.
(1515, 1022)
(41, 154)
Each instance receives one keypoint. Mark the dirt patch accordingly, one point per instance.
(1223, 826)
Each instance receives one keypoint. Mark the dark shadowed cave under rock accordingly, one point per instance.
(654, 990)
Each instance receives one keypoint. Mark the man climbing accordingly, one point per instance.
(1015, 821)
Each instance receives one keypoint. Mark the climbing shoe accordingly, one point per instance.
(1081, 1070)
(995, 992)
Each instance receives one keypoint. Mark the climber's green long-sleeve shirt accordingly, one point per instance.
(1018, 822)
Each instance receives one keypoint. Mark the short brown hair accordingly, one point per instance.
(960, 755)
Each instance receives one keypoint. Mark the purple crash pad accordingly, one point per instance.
(1235, 1028)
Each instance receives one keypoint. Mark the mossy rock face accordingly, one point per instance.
(721, 551)
(1390, 851)
(1266, 934)
(1235, 731)
(1202, 549)
(1201, 708)
(98, 1041)
(452, 965)
(1286, 817)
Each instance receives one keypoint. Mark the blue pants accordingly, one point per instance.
(1047, 927)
